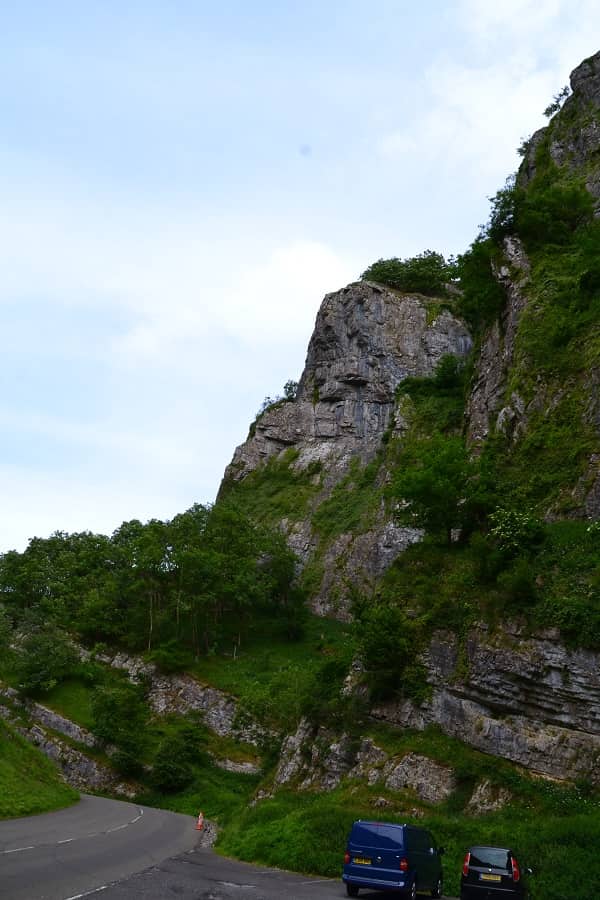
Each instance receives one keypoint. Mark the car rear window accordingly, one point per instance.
(491, 857)
(373, 834)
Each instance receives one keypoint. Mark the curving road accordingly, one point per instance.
(121, 851)
(85, 847)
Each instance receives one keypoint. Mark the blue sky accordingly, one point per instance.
(182, 183)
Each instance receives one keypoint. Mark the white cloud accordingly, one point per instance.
(509, 20)
(476, 117)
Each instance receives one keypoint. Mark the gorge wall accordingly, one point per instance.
(519, 695)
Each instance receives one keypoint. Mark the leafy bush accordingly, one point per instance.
(518, 583)
(433, 484)
(515, 532)
(427, 273)
(351, 501)
(120, 717)
(44, 659)
(482, 297)
(172, 770)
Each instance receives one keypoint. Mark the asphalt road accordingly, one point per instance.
(121, 851)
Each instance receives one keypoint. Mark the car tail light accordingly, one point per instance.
(515, 869)
(347, 858)
(466, 863)
(404, 864)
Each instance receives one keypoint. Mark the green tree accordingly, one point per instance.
(43, 659)
(434, 484)
(427, 273)
(120, 716)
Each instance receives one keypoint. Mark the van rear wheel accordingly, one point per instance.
(352, 890)
(438, 890)
(412, 894)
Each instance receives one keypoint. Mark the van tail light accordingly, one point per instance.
(404, 865)
(347, 858)
(515, 869)
(466, 863)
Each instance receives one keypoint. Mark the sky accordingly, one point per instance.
(182, 182)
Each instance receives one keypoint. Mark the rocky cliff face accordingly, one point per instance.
(366, 340)
(576, 148)
(527, 699)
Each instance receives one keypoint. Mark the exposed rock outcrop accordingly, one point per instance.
(314, 758)
(367, 339)
(486, 404)
(577, 148)
(527, 699)
(183, 694)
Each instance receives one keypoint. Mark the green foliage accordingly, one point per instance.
(514, 531)
(290, 390)
(427, 273)
(518, 583)
(164, 587)
(433, 485)
(438, 401)
(307, 832)
(44, 658)
(272, 677)
(557, 102)
(353, 500)
(482, 296)
(173, 770)
(277, 489)
(120, 718)
(29, 782)
(387, 643)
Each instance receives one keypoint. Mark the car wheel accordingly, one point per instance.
(438, 890)
(352, 890)
(413, 891)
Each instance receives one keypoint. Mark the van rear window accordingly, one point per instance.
(372, 834)
(491, 857)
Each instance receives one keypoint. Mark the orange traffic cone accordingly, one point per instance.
(200, 822)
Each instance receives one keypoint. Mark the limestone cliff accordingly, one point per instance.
(506, 686)
(367, 339)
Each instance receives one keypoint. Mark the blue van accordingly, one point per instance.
(386, 857)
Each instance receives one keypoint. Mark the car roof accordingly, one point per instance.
(489, 847)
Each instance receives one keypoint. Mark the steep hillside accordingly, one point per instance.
(317, 465)
(430, 650)
(448, 509)
(29, 783)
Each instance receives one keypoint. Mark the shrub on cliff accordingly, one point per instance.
(427, 273)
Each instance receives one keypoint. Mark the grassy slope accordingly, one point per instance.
(29, 783)
(307, 831)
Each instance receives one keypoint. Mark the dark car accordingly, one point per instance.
(386, 857)
(492, 873)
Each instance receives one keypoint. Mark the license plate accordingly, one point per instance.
(485, 877)
(361, 861)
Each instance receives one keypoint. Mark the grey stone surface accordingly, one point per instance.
(574, 147)
(431, 781)
(487, 798)
(183, 694)
(366, 340)
(496, 355)
(527, 699)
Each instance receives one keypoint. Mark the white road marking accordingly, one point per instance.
(18, 849)
(70, 840)
(87, 893)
